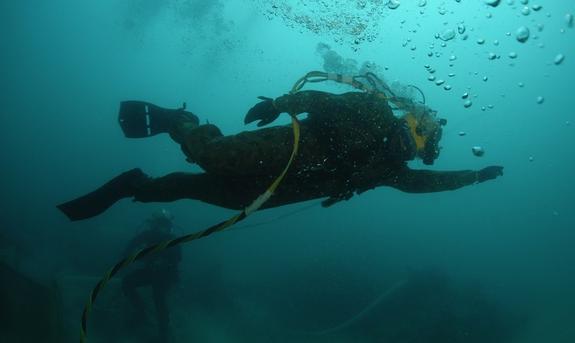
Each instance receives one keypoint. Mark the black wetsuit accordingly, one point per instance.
(350, 143)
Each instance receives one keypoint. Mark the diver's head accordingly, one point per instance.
(425, 131)
(161, 220)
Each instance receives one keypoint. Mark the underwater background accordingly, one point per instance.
(488, 263)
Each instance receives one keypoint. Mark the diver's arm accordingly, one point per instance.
(316, 102)
(406, 180)
(322, 106)
(428, 181)
(306, 101)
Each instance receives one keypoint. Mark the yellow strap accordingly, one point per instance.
(156, 248)
(256, 204)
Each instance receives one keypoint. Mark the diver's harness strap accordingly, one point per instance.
(368, 82)
(371, 83)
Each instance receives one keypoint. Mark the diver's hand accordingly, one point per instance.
(265, 112)
(489, 173)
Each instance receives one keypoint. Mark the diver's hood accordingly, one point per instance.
(426, 133)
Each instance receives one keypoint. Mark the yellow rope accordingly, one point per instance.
(156, 248)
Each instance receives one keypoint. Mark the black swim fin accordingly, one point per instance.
(96, 202)
(140, 119)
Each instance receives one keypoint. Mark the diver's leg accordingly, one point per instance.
(96, 202)
(160, 292)
(237, 192)
(229, 192)
(221, 191)
(185, 129)
(130, 284)
(232, 193)
(250, 153)
(253, 153)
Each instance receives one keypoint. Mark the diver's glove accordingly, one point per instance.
(489, 173)
(265, 112)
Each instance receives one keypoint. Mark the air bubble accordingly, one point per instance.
(392, 4)
(478, 151)
(525, 10)
(447, 35)
(492, 3)
(522, 34)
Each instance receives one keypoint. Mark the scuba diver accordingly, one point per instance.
(160, 272)
(350, 143)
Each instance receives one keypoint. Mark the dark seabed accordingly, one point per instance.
(492, 262)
